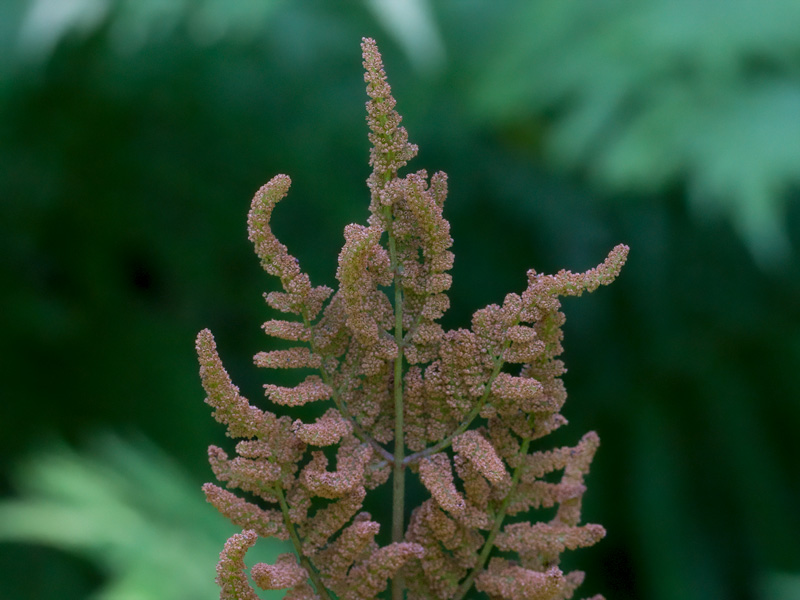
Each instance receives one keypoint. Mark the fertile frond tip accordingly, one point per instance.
(390, 147)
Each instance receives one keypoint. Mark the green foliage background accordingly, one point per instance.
(133, 135)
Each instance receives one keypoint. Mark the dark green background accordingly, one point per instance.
(127, 163)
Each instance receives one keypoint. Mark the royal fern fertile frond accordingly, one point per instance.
(457, 409)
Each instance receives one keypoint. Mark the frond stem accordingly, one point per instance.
(496, 526)
(341, 406)
(473, 414)
(398, 479)
(298, 547)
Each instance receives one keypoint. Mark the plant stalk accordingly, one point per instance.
(498, 523)
(473, 414)
(398, 476)
(298, 547)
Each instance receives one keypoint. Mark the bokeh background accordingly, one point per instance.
(133, 134)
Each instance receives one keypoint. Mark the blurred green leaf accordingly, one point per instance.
(412, 24)
(126, 507)
(134, 23)
(780, 586)
(643, 96)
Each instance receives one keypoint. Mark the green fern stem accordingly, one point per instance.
(471, 416)
(298, 547)
(496, 526)
(341, 406)
(398, 478)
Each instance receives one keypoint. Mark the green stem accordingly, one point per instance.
(359, 431)
(298, 547)
(473, 414)
(496, 526)
(398, 479)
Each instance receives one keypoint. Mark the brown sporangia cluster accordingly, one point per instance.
(458, 409)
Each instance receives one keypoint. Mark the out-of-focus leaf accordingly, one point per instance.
(412, 24)
(780, 586)
(135, 22)
(127, 508)
(643, 96)
(43, 24)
